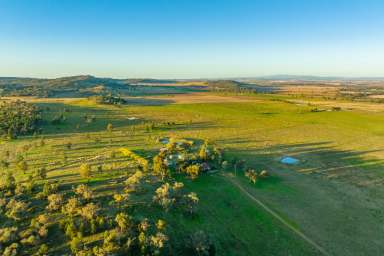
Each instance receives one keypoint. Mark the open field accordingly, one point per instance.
(334, 195)
(202, 97)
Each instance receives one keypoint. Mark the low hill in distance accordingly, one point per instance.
(371, 89)
(84, 86)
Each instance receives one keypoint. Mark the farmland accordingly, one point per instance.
(338, 182)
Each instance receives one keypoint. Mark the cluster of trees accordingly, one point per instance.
(18, 118)
(184, 156)
(109, 99)
(34, 210)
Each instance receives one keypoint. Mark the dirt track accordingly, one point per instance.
(276, 215)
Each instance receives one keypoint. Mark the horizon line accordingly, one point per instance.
(269, 77)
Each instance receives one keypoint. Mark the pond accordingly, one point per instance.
(289, 160)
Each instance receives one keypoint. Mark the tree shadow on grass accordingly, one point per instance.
(139, 101)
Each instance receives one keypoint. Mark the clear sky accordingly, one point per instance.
(191, 38)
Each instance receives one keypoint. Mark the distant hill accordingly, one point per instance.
(66, 86)
(85, 86)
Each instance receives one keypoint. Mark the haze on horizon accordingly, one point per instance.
(191, 39)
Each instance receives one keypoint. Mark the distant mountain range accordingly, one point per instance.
(86, 85)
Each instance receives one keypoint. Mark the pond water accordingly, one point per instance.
(289, 160)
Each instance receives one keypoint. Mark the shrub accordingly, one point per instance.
(48, 188)
(157, 242)
(76, 245)
(85, 170)
(163, 196)
(263, 174)
(193, 171)
(161, 224)
(43, 250)
(30, 240)
(251, 175)
(11, 250)
(89, 211)
(4, 164)
(110, 243)
(55, 201)
(134, 179)
(8, 235)
(109, 127)
(123, 221)
(84, 191)
(203, 152)
(41, 173)
(7, 182)
(159, 166)
(191, 201)
(201, 244)
(16, 209)
(71, 207)
(23, 166)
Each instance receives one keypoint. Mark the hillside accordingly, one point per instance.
(85, 86)
(60, 87)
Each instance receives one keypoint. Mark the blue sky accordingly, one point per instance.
(191, 39)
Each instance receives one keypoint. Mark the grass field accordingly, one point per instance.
(334, 195)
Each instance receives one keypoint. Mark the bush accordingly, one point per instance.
(193, 171)
(48, 188)
(11, 250)
(7, 182)
(201, 244)
(89, 211)
(76, 245)
(159, 166)
(55, 201)
(8, 235)
(84, 192)
(71, 207)
(85, 170)
(251, 175)
(16, 209)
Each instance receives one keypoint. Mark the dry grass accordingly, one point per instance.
(345, 105)
(203, 97)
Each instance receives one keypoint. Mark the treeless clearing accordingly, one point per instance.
(310, 90)
(364, 106)
(376, 96)
(203, 97)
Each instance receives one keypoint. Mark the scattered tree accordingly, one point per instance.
(85, 171)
